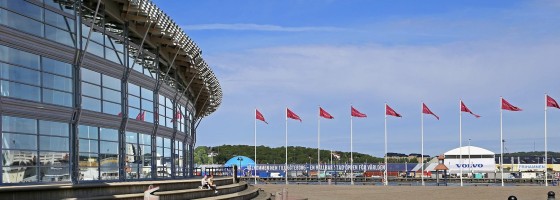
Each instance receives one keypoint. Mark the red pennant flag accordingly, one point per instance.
(325, 114)
(465, 109)
(259, 116)
(178, 116)
(292, 115)
(390, 111)
(140, 116)
(507, 106)
(426, 110)
(550, 102)
(356, 113)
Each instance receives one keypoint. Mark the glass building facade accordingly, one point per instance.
(98, 91)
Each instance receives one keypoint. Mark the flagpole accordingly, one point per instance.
(461, 140)
(318, 145)
(545, 144)
(286, 164)
(422, 139)
(501, 142)
(351, 156)
(255, 176)
(385, 172)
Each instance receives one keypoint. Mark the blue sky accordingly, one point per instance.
(335, 53)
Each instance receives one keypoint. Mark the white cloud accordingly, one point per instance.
(257, 27)
(396, 71)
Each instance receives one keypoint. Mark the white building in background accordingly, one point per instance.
(474, 160)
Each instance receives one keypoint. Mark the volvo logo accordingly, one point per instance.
(469, 165)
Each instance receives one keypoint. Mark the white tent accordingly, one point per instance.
(474, 160)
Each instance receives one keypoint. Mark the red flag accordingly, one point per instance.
(426, 110)
(356, 113)
(390, 111)
(465, 109)
(325, 114)
(178, 116)
(507, 106)
(140, 116)
(292, 115)
(550, 102)
(259, 116)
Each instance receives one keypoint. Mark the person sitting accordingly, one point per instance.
(204, 183)
(211, 184)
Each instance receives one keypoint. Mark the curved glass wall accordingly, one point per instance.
(41, 148)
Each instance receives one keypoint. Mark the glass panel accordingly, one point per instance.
(24, 8)
(18, 158)
(60, 36)
(19, 74)
(159, 142)
(147, 94)
(21, 91)
(59, 21)
(109, 134)
(161, 100)
(53, 143)
(57, 82)
(133, 89)
(57, 67)
(89, 146)
(109, 167)
(18, 57)
(149, 117)
(133, 101)
(55, 174)
(91, 90)
(166, 142)
(111, 95)
(91, 76)
(88, 166)
(111, 82)
(53, 128)
(91, 104)
(57, 97)
(168, 103)
(147, 105)
(108, 147)
(111, 54)
(20, 125)
(21, 23)
(88, 132)
(19, 174)
(95, 48)
(133, 113)
(111, 108)
(131, 137)
(19, 141)
(56, 5)
(54, 158)
(145, 139)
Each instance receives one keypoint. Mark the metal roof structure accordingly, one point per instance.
(149, 25)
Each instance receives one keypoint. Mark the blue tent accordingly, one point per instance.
(245, 161)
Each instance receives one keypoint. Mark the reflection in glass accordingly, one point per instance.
(53, 128)
(20, 125)
(53, 143)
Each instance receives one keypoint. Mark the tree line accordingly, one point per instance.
(268, 155)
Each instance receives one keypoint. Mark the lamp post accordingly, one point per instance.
(470, 164)
(240, 159)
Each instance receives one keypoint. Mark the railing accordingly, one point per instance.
(216, 171)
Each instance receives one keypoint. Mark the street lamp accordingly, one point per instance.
(470, 164)
(240, 159)
(211, 155)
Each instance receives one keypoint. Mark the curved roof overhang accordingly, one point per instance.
(174, 46)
